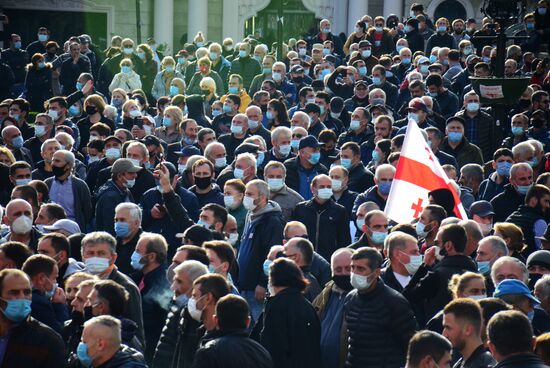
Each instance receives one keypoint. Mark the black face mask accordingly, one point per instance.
(298, 80)
(58, 171)
(343, 282)
(88, 314)
(443, 251)
(263, 108)
(533, 278)
(524, 103)
(77, 317)
(538, 123)
(90, 110)
(202, 183)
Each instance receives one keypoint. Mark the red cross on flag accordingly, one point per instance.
(418, 173)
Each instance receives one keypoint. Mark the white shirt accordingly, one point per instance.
(403, 280)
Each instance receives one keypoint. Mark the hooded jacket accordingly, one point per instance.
(262, 230)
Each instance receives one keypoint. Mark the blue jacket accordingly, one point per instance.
(51, 314)
(262, 230)
(166, 226)
(108, 197)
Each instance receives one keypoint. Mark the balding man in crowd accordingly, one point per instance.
(19, 218)
(239, 132)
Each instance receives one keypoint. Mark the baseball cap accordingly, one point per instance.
(514, 287)
(124, 165)
(481, 208)
(309, 141)
(113, 138)
(246, 148)
(188, 151)
(311, 107)
(418, 105)
(297, 69)
(423, 60)
(66, 225)
(364, 43)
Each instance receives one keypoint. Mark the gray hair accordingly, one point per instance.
(98, 237)
(193, 268)
(66, 135)
(522, 149)
(473, 231)
(263, 188)
(472, 170)
(135, 210)
(536, 145)
(255, 138)
(274, 165)
(377, 90)
(382, 167)
(397, 240)
(249, 158)
(68, 156)
(519, 166)
(211, 146)
(191, 161)
(110, 323)
(498, 245)
(141, 146)
(48, 141)
(542, 286)
(510, 260)
(156, 244)
(277, 132)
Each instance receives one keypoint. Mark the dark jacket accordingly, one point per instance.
(82, 200)
(506, 202)
(480, 358)
(291, 331)
(51, 314)
(525, 217)
(489, 188)
(108, 197)
(168, 226)
(528, 360)
(125, 357)
(440, 40)
(124, 253)
(371, 195)
(415, 40)
(430, 285)
(70, 71)
(262, 230)
(232, 350)
(133, 309)
(488, 137)
(360, 179)
(292, 172)
(164, 349)
(144, 182)
(247, 67)
(327, 225)
(34, 345)
(38, 83)
(464, 153)
(189, 334)
(155, 297)
(379, 323)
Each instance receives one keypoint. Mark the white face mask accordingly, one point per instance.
(248, 203)
(22, 225)
(360, 282)
(414, 263)
(233, 238)
(194, 312)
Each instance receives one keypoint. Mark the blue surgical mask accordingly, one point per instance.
(232, 89)
(174, 90)
(122, 229)
(455, 137)
(523, 189)
(314, 158)
(442, 29)
(384, 187)
(472, 106)
(181, 60)
(17, 310)
(284, 149)
(346, 162)
(17, 142)
(74, 110)
(78, 86)
(42, 37)
(181, 300)
(378, 237)
(125, 69)
(433, 59)
(295, 143)
(238, 173)
(517, 130)
(96, 265)
(406, 61)
(260, 158)
(17, 45)
(376, 81)
(242, 53)
(424, 69)
(269, 115)
(413, 116)
(484, 267)
(420, 229)
(362, 71)
(166, 122)
(135, 261)
(366, 53)
(236, 129)
(407, 28)
(82, 354)
(226, 108)
(266, 265)
(50, 293)
(503, 168)
(376, 156)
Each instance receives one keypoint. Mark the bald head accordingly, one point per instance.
(18, 207)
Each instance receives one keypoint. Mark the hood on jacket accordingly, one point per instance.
(194, 106)
(73, 267)
(271, 207)
(126, 357)
(109, 186)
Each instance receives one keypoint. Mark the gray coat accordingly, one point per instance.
(82, 201)
(159, 86)
(287, 199)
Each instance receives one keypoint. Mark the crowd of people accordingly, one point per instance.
(224, 206)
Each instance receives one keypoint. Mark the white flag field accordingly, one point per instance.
(418, 173)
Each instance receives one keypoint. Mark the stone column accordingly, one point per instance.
(232, 25)
(197, 18)
(164, 23)
(356, 10)
(393, 7)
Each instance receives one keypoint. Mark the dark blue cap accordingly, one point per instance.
(309, 141)
(188, 151)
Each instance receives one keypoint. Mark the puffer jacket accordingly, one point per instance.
(247, 67)
(379, 323)
(327, 225)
